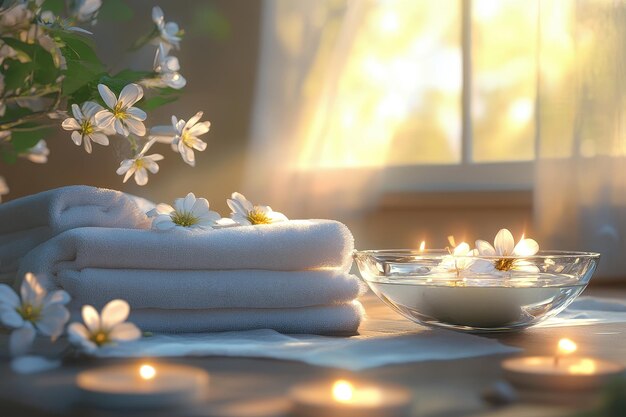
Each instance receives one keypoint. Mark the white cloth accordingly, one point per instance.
(353, 353)
(29, 221)
(287, 246)
(359, 352)
(184, 289)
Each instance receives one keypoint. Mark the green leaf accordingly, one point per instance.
(154, 102)
(55, 6)
(41, 65)
(83, 65)
(26, 135)
(116, 10)
(209, 21)
(16, 73)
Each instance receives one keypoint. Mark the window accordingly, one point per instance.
(441, 91)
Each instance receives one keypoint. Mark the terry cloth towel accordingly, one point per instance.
(340, 319)
(278, 276)
(29, 221)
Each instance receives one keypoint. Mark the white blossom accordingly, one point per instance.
(169, 32)
(140, 165)
(85, 127)
(183, 136)
(246, 213)
(124, 118)
(15, 18)
(461, 258)
(86, 10)
(36, 311)
(167, 70)
(188, 212)
(103, 329)
(511, 254)
(38, 154)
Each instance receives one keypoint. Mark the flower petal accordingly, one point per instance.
(115, 312)
(135, 127)
(124, 332)
(199, 129)
(107, 95)
(78, 115)
(130, 94)
(70, 124)
(120, 128)
(53, 319)
(485, 248)
(526, 247)
(99, 138)
(57, 297)
(141, 176)
(31, 290)
(8, 297)
(194, 119)
(91, 318)
(137, 113)
(10, 317)
(504, 243)
(21, 339)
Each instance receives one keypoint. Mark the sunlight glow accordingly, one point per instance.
(147, 372)
(342, 391)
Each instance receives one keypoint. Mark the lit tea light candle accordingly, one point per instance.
(143, 386)
(344, 398)
(563, 371)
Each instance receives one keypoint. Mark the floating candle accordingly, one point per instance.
(143, 386)
(346, 399)
(562, 371)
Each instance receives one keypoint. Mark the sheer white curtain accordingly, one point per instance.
(581, 170)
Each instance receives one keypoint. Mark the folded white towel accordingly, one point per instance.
(182, 289)
(287, 246)
(335, 319)
(30, 221)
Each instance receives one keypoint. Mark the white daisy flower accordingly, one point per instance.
(245, 213)
(36, 311)
(504, 246)
(38, 154)
(183, 136)
(140, 165)
(103, 329)
(124, 118)
(459, 260)
(188, 212)
(86, 10)
(169, 32)
(84, 126)
(4, 188)
(166, 67)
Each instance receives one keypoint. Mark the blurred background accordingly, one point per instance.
(408, 120)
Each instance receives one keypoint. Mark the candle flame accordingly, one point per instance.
(584, 367)
(342, 391)
(452, 241)
(566, 346)
(147, 372)
(422, 246)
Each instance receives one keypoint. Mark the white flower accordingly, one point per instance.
(37, 311)
(140, 165)
(166, 67)
(84, 126)
(169, 33)
(460, 259)
(4, 188)
(124, 118)
(188, 212)
(38, 154)
(86, 10)
(108, 328)
(245, 213)
(183, 136)
(504, 246)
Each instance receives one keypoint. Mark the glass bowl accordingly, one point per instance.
(476, 293)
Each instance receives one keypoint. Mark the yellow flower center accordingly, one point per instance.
(29, 312)
(504, 264)
(119, 112)
(184, 218)
(100, 338)
(256, 216)
(186, 138)
(86, 127)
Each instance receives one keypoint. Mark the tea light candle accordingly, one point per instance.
(560, 372)
(142, 386)
(345, 399)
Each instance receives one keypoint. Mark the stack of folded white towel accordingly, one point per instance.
(292, 276)
(30, 221)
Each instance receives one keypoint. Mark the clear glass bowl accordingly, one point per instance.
(476, 293)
